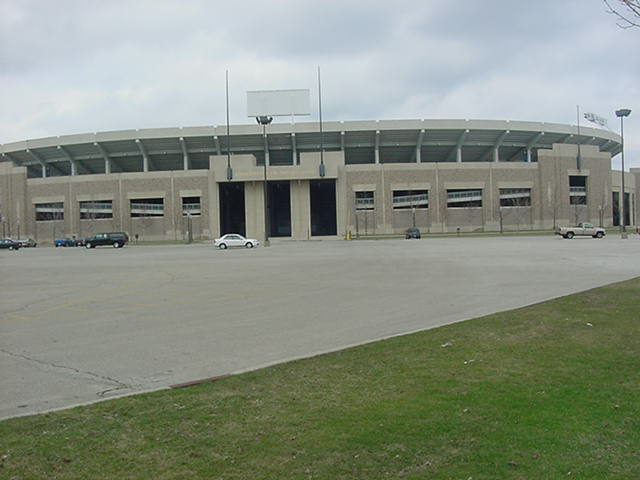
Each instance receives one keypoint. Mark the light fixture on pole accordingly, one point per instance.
(623, 112)
(321, 170)
(229, 169)
(265, 120)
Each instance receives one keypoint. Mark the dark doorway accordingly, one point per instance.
(232, 217)
(323, 207)
(279, 209)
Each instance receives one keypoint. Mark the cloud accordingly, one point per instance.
(75, 66)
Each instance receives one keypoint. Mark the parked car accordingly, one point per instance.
(412, 232)
(582, 229)
(80, 241)
(9, 244)
(115, 239)
(27, 242)
(235, 240)
(64, 242)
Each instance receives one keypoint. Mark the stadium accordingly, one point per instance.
(322, 180)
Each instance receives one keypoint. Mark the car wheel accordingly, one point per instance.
(222, 246)
(569, 235)
(10, 247)
(116, 245)
(599, 235)
(87, 245)
(248, 245)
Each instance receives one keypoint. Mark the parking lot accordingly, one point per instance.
(80, 325)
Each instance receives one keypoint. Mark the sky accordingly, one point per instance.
(78, 66)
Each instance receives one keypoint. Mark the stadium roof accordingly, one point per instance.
(388, 141)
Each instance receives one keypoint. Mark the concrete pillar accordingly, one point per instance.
(300, 210)
(254, 209)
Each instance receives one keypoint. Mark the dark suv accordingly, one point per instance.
(412, 232)
(117, 239)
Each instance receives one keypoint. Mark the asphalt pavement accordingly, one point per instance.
(78, 325)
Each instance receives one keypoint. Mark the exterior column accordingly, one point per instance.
(300, 210)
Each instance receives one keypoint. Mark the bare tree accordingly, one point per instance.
(626, 11)
(602, 206)
(554, 200)
(576, 214)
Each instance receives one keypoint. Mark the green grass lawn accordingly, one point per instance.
(533, 393)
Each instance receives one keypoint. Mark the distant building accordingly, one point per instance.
(379, 177)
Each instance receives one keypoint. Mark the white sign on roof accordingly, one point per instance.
(278, 103)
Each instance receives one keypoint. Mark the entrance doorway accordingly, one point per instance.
(232, 211)
(323, 207)
(279, 208)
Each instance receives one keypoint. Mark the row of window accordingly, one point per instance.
(100, 209)
(456, 198)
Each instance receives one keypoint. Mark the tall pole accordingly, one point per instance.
(265, 120)
(623, 112)
(229, 171)
(578, 160)
(321, 171)
(265, 193)
(623, 232)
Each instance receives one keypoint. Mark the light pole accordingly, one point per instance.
(264, 121)
(623, 112)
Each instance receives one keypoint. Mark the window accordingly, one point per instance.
(515, 197)
(408, 199)
(616, 208)
(49, 211)
(466, 198)
(364, 200)
(577, 190)
(147, 207)
(96, 209)
(191, 205)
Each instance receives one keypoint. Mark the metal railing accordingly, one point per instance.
(464, 196)
(190, 207)
(49, 210)
(96, 206)
(364, 202)
(411, 200)
(150, 208)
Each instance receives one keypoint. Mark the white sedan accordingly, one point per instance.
(235, 240)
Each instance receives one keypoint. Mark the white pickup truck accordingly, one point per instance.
(582, 229)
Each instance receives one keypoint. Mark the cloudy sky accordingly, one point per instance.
(76, 66)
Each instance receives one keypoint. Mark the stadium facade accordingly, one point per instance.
(363, 177)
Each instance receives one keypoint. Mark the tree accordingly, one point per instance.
(626, 11)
